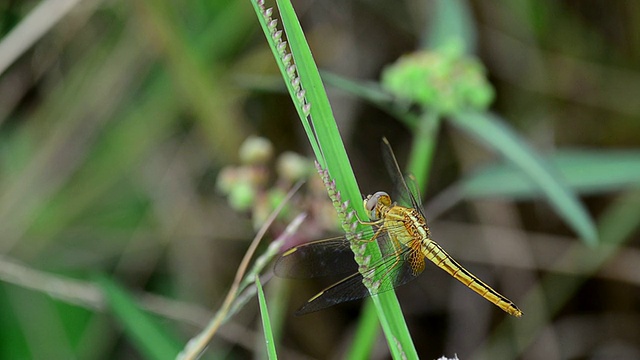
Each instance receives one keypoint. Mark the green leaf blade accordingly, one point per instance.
(496, 135)
(585, 171)
(153, 341)
(333, 157)
(266, 322)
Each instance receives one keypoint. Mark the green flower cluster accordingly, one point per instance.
(445, 80)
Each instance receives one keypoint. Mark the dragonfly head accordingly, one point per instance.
(372, 201)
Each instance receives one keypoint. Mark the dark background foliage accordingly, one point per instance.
(117, 116)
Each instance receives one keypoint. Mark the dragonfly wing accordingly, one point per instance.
(413, 191)
(347, 289)
(389, 272)
(317, 259)
(395, 268)
(405, 190)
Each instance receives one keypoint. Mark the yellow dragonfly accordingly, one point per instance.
(404, 239)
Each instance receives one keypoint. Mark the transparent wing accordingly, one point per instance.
(320, 258)
(347, 289)
(405, 189)
(317, 259)
(399, 265)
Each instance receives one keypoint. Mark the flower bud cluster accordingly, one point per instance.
(445, 80)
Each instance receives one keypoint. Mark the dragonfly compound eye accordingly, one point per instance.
(372, 200)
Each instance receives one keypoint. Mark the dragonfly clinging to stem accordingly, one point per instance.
(404, 239)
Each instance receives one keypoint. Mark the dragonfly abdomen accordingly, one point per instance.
(436, 254)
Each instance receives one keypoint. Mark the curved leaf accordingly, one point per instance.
(584, 171)
(498, 136)
(153, 341)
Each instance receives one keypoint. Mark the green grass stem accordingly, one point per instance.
(423, 147)
(366, 333)
(266, 322)
(309, 96)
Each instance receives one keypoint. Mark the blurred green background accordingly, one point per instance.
(116, 118)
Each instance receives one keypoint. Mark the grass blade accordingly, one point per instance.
(143, 330)
(266, 323)
(366, 334)
(584, 171)
(287, 69)
(316, 115)
(497, 136)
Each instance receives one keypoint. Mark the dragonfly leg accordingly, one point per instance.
(375, 235)
(362, 222)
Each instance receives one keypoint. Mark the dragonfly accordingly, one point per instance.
(404, 239)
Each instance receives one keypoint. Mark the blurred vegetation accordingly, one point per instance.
(117, 118)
